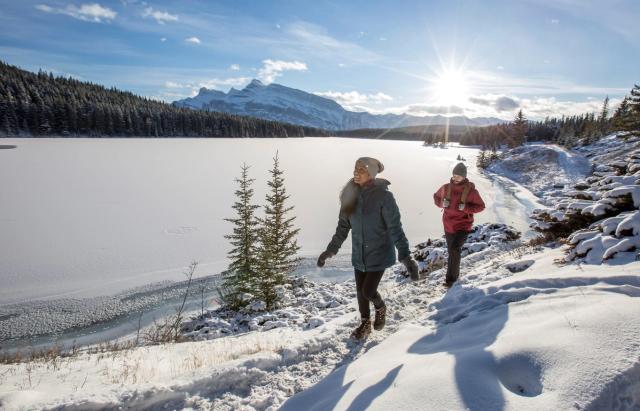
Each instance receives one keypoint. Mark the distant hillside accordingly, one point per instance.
(280, 103)
(43, 105)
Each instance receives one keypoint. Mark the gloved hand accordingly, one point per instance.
(461, 206)
(446, 203)
(412, 268)
(323, 257)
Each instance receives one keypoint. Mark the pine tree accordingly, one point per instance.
(241, 275)
(277, 245)
(519, 129)
(604, 116)
(634, 109)
(621, 116)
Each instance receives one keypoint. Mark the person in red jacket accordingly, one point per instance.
(460, 201)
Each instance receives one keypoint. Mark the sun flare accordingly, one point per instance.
(451, 87)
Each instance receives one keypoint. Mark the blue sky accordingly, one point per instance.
(478, 58)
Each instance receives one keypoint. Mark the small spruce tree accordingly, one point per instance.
(481, 161)
(277, 239)
(241, 276)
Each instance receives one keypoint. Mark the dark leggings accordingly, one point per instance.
(367, 291)
(454, 247)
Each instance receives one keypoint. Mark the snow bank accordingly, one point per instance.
(529, 341)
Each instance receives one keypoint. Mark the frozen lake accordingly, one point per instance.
(87, 217)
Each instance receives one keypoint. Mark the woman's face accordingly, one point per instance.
(457, 179)
(360, 175)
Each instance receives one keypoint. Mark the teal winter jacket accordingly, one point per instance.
(376, 230)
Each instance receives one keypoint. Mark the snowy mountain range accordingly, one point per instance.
(280, 103)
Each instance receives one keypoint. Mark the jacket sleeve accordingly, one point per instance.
(391, 216)
(438, 196)
(474, 202)
(342, 231)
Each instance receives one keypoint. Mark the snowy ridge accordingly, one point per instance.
(280, 103)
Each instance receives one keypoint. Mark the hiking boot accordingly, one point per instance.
(363, 330)
(381, 317)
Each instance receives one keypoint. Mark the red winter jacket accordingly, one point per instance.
(453, 219)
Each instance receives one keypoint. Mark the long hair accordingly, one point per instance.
(349, 197)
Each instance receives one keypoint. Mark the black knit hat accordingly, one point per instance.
(460, 169)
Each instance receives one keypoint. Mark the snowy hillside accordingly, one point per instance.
(544, 169)
(280, 103)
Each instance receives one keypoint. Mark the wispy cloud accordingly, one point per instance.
(234, 67)
(314, 37)
(485, 82)
(214, 83)
(274, 68)
(87, 12)
(193, 40)
(352, 100)
(161, 17)
(174, 84)
(217, 83)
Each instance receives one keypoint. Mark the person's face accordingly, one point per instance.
(457, 179)
(360, 175)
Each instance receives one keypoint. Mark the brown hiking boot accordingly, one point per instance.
(363, 330)
(381, 318)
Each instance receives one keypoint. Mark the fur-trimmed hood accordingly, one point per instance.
(350, 191)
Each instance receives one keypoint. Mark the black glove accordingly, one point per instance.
(412, 268)
(323, 257)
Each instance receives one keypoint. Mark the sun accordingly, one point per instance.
(451, 87)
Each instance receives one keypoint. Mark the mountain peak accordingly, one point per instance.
(255, 83)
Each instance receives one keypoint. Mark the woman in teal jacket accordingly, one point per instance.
(368, 209)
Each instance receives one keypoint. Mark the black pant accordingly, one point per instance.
(454, 247)
(367, 291)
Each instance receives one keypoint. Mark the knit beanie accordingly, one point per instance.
(460, 169)
(372, 165)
